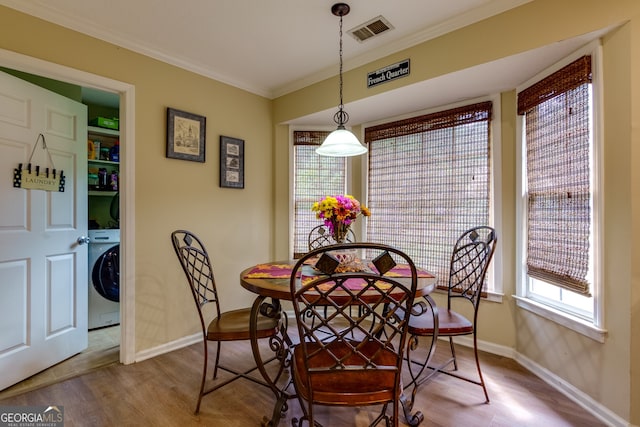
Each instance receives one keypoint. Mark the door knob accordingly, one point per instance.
(83, 240)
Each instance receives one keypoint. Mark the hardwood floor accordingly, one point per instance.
(103, 350)
(162, 392)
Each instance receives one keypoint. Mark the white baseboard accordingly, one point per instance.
(168, 347)
(585, 401)
(489, 347)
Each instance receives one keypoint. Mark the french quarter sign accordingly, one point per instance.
(388, 73)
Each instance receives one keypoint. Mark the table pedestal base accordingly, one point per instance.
(281, 346)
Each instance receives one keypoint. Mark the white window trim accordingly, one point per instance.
(495, 213)
(593, 329)
(495, 150)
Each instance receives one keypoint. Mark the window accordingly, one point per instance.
(557, 208)
(314, 177)
(430, 179)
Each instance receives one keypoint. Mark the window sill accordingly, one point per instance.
(494, 297)
(574, 323)
(491, 296)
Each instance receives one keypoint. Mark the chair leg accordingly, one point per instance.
(388, 421)
(204, 375)
(475, 352)
(453, 372)
(395, 421)
(480, 381)
(453, 354)
(215, 366)
(307, 411)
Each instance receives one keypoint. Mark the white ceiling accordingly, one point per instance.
(272, 47)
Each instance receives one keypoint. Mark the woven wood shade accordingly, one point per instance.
(315, 177)
(573, 75)
(558, 170)
(429, 180)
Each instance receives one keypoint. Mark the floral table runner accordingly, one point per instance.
(283, 271)
(270, 271)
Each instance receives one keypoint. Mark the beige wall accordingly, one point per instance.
(242, 227)
(604, 372)
(235, 224)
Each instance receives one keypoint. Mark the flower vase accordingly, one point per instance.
(340, 231)
(346, 257)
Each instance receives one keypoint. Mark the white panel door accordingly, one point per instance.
(43, 268)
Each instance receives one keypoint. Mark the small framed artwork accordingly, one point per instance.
(185, 135)
(231, 162)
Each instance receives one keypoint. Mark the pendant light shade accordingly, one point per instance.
(341, 142)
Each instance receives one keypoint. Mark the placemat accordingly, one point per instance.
(270, 271)
(403, 270)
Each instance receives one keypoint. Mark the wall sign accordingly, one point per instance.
(36, 179)
(388, 73)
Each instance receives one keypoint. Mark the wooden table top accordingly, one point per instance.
(278, 287)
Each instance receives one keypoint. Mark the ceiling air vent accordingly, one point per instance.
(370, 29)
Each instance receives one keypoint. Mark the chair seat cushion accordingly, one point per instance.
(348, 386)
(449, 323)
(234, 325)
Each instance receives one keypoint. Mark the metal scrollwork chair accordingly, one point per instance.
(320, 236)
(345, 359)
(470, 260)
(219, 326)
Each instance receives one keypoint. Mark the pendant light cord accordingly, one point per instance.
(341, 117)
(341, 142)
(341, 104)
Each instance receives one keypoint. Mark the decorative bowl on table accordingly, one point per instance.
(349, 260)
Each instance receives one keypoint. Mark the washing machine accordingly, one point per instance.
(104, 278)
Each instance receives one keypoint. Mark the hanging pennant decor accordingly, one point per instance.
(34, 178)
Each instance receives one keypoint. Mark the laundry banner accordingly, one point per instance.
(33, 178)
(38, 180)
(388, 73)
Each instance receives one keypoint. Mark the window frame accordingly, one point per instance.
(495, 291)
(555, 310)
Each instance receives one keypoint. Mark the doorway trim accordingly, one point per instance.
(126, 91)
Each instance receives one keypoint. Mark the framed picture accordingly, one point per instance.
(231, 162)
(185, 135)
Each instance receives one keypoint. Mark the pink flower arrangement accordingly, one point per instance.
(338, 212)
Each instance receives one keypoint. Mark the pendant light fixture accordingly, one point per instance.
(341, 142)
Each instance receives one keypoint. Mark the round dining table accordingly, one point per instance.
(270, 282)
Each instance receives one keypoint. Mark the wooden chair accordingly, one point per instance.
(321, 236)
(470, 260)
(345, 359)
(223, 326)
